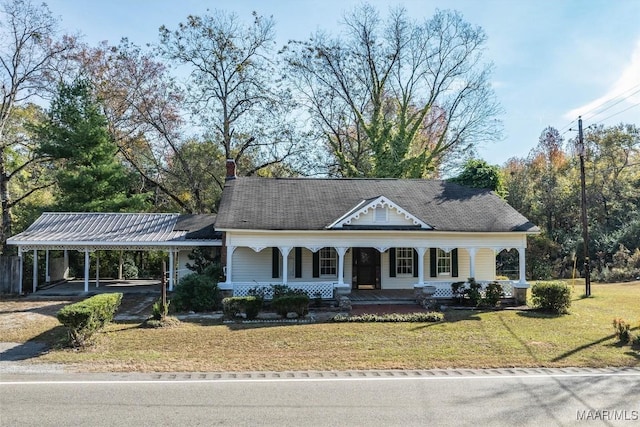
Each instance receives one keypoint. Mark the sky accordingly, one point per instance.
(553, 59)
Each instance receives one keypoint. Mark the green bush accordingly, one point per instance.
(474, 293)
(233, 307)
(554, 297)
(280, 291)
(158, 311)
(458, 292)
(196, 292)
(492, 294)
(392, 317)
(85, 318)
(291, 303)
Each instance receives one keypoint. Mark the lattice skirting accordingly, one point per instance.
(313, 289)
(443, 289)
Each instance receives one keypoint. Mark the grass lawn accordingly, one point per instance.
(471, 339)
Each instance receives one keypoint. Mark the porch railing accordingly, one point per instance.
(313, 289)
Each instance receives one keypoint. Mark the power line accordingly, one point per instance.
(619, 112)
(614, 99)
(613, 105)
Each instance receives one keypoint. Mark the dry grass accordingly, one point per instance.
(470, 339)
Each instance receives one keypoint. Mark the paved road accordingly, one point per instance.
(412, 398)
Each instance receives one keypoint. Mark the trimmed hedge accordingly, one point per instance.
(233, 307)
(291, 303)
(554, 297)
(431, 316)
(85, 318)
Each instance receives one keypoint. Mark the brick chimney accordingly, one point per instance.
(231, 170)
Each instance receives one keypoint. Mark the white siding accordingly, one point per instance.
(249, 265)
(485, 264)
(399, 282)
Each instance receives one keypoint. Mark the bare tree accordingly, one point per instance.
(396, 97)
(32, 56)
(232, 87)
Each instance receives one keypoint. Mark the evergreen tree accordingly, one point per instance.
(90, 176)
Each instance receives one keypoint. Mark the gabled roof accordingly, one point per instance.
(367, 205)
(115, 228)
(252, 203)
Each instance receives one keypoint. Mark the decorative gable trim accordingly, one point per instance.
(366, 206)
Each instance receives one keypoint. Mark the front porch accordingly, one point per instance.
(331, 290)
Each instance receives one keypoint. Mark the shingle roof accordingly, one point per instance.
(313, 204)
(198, 227)
(138, 228)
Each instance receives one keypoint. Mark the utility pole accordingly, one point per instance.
(585, 229)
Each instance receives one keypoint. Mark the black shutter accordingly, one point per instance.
(454, 263)
(392, 262)
(297, 255)
(415, 263)
(275, 263)
(433, 262)
(316, 264)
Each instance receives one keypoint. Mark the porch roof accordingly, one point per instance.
(252, 203)
(118, 230)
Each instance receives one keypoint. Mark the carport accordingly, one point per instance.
(89, 232)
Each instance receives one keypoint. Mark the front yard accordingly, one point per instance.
(471, 339)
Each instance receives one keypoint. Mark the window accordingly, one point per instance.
(444, 263)
(328, 262)
(404, 260)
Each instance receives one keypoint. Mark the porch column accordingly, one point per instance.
(65, 260)
(230, 250)
(421, 252)
(86, 270)
(97, 269)
(171, 268)
(284, 250)
(47, 277)
(21, 267)
(35, 270)
(341, 252)
(120, 262)
(472, 262)
(522, 265)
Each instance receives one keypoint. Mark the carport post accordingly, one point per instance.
(86, 270)
(21, 266)
(47, 277)
(171, 267)
(97, 269)
(35, 270)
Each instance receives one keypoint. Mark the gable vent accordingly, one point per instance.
(381, 214)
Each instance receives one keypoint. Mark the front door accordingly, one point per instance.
(366, 268)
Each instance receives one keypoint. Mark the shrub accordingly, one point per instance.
(458, 291)
(392, 317)
(233, 307)
(474, 293)
(297, 303)
(196, 292)
(622, 330)
(551, 296)
(285, 291)
(85, 318)
(492, 294)
(158, 311)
